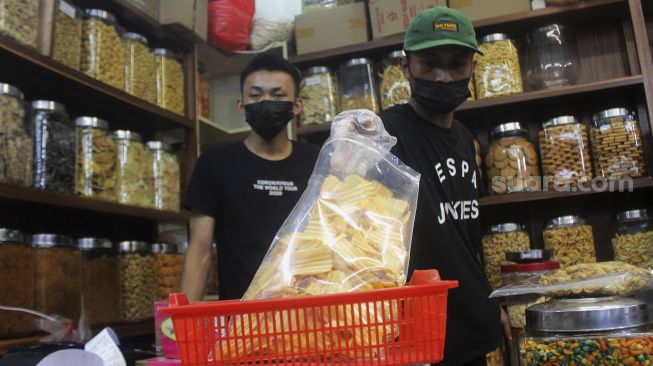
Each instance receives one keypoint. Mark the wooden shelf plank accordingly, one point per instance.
(47, 198)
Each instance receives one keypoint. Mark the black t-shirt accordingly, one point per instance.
(250, 198)
(446, 234)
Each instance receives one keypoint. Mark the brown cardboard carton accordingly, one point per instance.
(389, 17)
(191, 14)
(323, 29)
(482, 9)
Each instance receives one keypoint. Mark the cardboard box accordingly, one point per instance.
(191, 14)
(483, 9)
(394, 16)
(324, 29)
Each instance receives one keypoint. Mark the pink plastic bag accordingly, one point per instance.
(230, 22)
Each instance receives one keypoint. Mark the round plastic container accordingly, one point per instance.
(357, 86)
(497, 72)
(169, 81)
(16, 283)
(100, 278)
(103, 53)
(169, 264)
(501, 239)
(138, 279)
(16, 148)
(96, 159)
(394, 87)
(633, 240)
(133, 172)
(570, 239)
(165, 176)
(319, 92)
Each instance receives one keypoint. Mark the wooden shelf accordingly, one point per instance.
(46, 198)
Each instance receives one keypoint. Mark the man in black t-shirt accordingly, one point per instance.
(242, 193)
(440, 44)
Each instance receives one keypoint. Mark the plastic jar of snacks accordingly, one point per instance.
(54, 147)
(394, 87)
(511, 160)
(58, 288)
(16, 147)
(138, 280)
(100, 276)
(169, 264)
(318, 91)
(497, 71)
(617, 149)
(140, 67)
(571, 240)
(356, 85)
(501, 239)
(165, 176)
(16, 283)
(169, 81)
(67, 40)
(133, 173)
(103, 54)
(19, 20)
(633, 239)
(96, 159)
(565, 151)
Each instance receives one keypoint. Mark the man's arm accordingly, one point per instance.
(198, 256)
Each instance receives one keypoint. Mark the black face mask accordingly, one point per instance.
(268, 117)
(439, 97)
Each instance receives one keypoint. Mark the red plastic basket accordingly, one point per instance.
(397, 326)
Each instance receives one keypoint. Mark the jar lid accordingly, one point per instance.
(11, 236)
(93, 122)
(51, 240)
(94, 243)
(587, 315)
(8, 89)
(563, 221)
(358, 61)
(507, 227)
(494, 37)
(530, 255)
(133, 246)
(127, 135)
(559, 121)
(159, 145)
(164, 248)
(48, 105)
(530, 267)
(610, 113)
(396, 54)
(101, 14)
(135, 37)
(633, 215)
(164, 52)
(318, 70)
(508, 127)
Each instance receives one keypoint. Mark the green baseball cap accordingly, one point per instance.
(440, 26)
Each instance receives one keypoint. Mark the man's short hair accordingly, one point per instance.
(270, 62)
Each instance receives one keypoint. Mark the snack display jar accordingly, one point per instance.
(138, 280)
(318, 91)
(19, 19)
(96, 159)
(16, 283)
(16, 148)
(570, 239)
(551, 57)
(100, 277)
(497, 71)
(394, 87)
(140, 67)
(169, 81)
(168, 264)
(501, 239)
(165, 176)
(357, 86)
(103, 54)
(633, 239)
(133, 172)
(67, 41)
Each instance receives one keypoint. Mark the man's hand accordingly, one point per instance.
(505, 326)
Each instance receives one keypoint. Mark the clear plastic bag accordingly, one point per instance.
(274, 21)
(350, 231)
(585, 279)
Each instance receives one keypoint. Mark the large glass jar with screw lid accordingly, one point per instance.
(96, 159)
(318, 90)
(16, 148)
(138, 280)
(100, 277)
(357, 86)
(133, 172)
(16, 283)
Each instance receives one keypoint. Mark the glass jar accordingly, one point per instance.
(511, 161)
(19, 19)
(587, 331)
(138, 280)
(571, 240)
(394, 87)
(54, 147)
(67, 40)
(551, 59)
(356, 85)
(180, 149)
(16, 283)
(100, 276)
(133, 173)
(140, 67)
(565, 152)
(501, 239)
(96, 159)
(617, 149)
(169, 81)
(16, 149)
(103, 54)
(165, 176)
(497, 71)
(169, 264)
(633, 239)
(58, 289)
(318, 91)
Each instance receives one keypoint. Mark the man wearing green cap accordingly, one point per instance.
(440, 44)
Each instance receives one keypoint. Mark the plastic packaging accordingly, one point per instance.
(633, 239)
(357, 86)
(138, 279)
(16, 283)
(274, 21)
(19, 19)
(133, 172)
(96, 159)
(67, 42)
(501, 239)
(165, 176)
(230, 22)
(16, 148)
(168, 264)
(319, 92)
(571, 240)
(497, 72)
(140, 68)
(169, 81)
(54, 147)
(309, 5)
(551, 57)
(100, 276)
(103, 54)
(394, 87)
